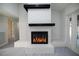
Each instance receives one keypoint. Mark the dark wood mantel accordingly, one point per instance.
(42, 24)
(36, 6)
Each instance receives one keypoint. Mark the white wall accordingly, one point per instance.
(61, 30)
(67, 14)
(9, 9)
(23, 24)
(39, 15)
(3, 23)
(70, 11)
(71, 42)
(58, 30)
(71, 8)
(3, 29)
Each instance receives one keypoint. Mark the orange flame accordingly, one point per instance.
(39, 39)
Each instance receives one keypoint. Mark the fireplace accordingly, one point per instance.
(39, 37)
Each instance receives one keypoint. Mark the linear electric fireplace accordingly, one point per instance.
(39, 37)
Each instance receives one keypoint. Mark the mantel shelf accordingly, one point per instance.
(36, 6)
(42, 24)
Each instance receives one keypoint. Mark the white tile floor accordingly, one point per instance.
(9, 50)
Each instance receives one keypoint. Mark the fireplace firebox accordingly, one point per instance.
(39, 37)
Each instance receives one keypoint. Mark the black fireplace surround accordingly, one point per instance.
(39, 37)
